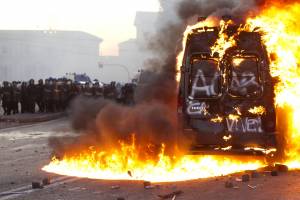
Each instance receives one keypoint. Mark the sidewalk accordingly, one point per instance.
(31, 118)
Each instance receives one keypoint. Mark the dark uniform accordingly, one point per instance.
(88, 91)
(16, 97)
(98, 91)
(57, 96)
(64, 97)
(128, 93)
(74, 91)
(24, 98)
(31, 90)
(7, 98)
(40, 95)
(48, 96)
(110, 91)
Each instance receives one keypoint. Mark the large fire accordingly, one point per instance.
(125, 163)
(282, 39)
(281, 35)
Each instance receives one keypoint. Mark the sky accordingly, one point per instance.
(111, 20)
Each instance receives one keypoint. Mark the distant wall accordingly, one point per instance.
(38, 54)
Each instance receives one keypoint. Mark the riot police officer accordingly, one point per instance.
(7, 98)
(56, 96)
(40, 95)
(98, 91)
(88, 90)
(31, 90)
(16, 97)
(24, 98)
(48, 95)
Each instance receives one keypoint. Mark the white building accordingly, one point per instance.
(43, 54)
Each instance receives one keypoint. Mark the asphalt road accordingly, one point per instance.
(24, 150)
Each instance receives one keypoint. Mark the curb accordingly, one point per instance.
(32, 118)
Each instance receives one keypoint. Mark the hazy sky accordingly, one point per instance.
(112, 20)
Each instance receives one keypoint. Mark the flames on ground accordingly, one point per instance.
(131, 159)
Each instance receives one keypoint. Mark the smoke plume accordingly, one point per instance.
(102, 123)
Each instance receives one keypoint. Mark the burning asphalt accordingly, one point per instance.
(116, 143)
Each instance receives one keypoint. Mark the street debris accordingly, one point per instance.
(150, 187)
(229, 184)
(36, 185)
(252, 186)
(46, 181)
(245, 178)
(120, 198)
(115, 187)
(274, 173)
(254, 174)
(74, 189)
(238, 179)
(147, 183)
(171, 195)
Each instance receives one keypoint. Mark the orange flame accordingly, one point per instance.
(260, 110)
(124, 164)
(223, 42)
(281, 35)
(282, 39)
(189, 29)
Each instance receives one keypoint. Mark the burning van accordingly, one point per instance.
(226, 101)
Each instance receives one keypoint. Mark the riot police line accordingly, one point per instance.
(55, 95)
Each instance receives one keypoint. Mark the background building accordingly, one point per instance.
(43, 54)
(133, 52)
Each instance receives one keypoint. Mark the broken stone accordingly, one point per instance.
(115, 187)
(120, 198)
(149, 187)
(229, 184)
(46, 181)
(254, 174)
(147, 183)
(36, 185)
(170, 195)
(274, 173)
(281, 168)
(238, 179)
(18, 150)
(245, 178)
(252, 186)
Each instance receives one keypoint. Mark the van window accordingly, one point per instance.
(244, 77)
(205, 79)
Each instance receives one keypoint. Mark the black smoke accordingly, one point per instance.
(153, 120)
